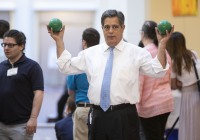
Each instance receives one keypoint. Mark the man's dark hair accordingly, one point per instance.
(4, 27)
(91, 36)
(113, 13)
(19, 37)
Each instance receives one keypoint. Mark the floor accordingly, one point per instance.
(45, 131)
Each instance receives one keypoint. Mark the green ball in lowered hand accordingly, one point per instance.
(164, 25)
(55, 24)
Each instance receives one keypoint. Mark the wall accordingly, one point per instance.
(188, 25)
(75, 23)
(25, 16)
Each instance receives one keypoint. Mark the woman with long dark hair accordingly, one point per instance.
(184, 79)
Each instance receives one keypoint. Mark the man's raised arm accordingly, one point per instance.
(58, 37)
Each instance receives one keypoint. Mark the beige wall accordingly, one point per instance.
(75, 23)
(188, 25)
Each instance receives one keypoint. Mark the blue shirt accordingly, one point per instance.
(79, 84)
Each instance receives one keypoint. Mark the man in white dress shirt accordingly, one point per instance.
(120, 120)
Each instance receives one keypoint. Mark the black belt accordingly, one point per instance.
(84, 105)
(114, 107)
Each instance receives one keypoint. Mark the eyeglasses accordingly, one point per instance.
(114, 27)
(10, 45)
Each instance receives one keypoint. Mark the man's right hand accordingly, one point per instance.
(56, 35)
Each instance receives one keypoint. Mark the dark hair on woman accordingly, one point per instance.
(113, 13)
(19, 37)
(4, 27)
(91, 36)
(176, 47)
(140, 44)
(148, 29)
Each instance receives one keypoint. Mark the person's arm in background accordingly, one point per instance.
(162, 46)
(37, 103)
(175, 84)
(71, 84)
(71, 92)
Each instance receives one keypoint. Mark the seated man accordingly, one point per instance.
(64, 127)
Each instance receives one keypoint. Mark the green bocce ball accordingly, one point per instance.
(164, 25)
(55, 24)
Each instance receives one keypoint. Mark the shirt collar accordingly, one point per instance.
(22, 58)
(120, 46)
(149, 45)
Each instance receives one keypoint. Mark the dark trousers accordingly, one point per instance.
(141, 132)
(119, 124)
(154, 127)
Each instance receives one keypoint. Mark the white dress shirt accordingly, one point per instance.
(128, 61)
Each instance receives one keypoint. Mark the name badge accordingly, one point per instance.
(12, 71)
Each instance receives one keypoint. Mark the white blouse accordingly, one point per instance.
(187, 78)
